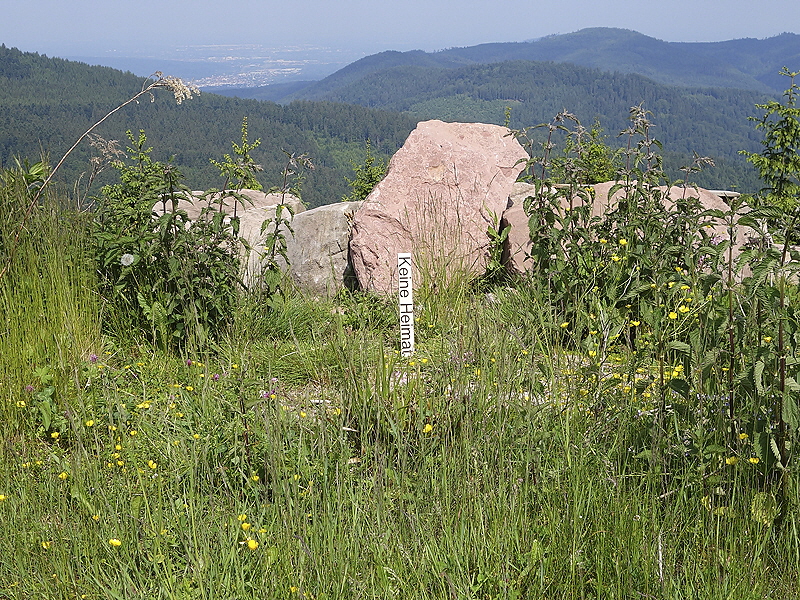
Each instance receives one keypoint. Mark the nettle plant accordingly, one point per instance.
(657, 315)
(172, 276)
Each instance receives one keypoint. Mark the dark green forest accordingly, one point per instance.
(47, 103)
(710, 121)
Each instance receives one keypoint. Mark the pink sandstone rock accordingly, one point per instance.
(444, 188)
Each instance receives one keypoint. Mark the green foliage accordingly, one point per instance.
(650, 283)
(274, 257)
(174, 278)
(779, 161)
(586, 158)
(239, 173)
(367, 176)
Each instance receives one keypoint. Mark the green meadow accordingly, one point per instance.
(619, 423)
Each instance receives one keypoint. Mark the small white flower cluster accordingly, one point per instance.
(182, 91)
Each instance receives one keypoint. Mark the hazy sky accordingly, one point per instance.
(60, 27)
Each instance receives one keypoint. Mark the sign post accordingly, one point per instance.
(405, 298)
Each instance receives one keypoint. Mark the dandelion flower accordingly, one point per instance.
(126, 260)
(115, 542)
(428, 428)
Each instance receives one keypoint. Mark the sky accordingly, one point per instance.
(90, 27)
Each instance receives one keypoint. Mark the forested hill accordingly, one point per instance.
(47, 103)
(748, 64)
(710, 121)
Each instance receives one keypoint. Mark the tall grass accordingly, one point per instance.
(48, 303)
(545, 440)
(349, 494)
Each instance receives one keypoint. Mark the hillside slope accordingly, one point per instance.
(710, 121)
(748, 64)
(47, 103)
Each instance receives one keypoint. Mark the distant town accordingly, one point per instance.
(231, 66)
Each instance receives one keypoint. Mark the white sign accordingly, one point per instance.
(405, 298)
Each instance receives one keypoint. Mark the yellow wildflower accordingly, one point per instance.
(115, 542)
(428, 428)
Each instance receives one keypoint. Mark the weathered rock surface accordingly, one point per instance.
(442, 191)
(518, 244)
(318, 252)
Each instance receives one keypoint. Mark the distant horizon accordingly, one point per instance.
(158, 27)
(72, 50)
(245, 65)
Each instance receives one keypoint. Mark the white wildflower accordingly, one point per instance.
(182, 91)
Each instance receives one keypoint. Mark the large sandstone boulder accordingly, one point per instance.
(318, 252)
(518, 243)
(444, 188)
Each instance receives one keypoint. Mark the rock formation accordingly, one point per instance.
(444, 188)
